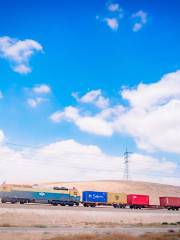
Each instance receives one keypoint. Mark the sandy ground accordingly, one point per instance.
(42, 222)
(34, 215)
(155, 190)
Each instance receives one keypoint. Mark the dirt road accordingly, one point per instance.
(37, 222)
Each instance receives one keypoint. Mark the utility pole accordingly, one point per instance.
(126, 164)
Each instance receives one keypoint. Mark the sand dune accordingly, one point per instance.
(153, 189)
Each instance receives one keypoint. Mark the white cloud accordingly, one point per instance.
(142, 16)
(57, 116)
(113, 15)
(114, 7)
(34, 102)
(151, 119)
(137, 27)
(154, 116)
(36, 93)
(153, 94)
(94, 97)
(2, 137)
(22, 69)
(18, 52)
(69, 160)
(42, 89)
(113, 23)
(91, 124)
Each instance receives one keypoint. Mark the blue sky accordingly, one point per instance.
(84, 47)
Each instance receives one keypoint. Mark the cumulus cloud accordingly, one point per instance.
(141, 16)
(19, 52)
(154, 115)
(35, 95)
(112, 17)
(112, 23)
(42, 89)
(93, 97)
(113, 7)
(91, 124)
(158, 93)
(151, 118)
(69, 160)
(34, 102)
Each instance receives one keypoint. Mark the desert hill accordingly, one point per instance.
(153, 189)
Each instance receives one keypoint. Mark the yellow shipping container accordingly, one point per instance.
(117, 198)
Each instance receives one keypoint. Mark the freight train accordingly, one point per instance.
(71, 197)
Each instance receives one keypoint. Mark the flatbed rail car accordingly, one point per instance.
(56, 196)
(170, 203)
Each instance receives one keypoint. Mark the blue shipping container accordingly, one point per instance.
(95, 197)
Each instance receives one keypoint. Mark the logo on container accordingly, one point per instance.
(42, 194)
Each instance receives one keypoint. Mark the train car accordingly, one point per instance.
(171, 203)
(61, 196)
(117, 200)
(137, 201)
(92, 198)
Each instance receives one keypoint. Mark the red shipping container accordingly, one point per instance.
(135, 199)
(169, 201)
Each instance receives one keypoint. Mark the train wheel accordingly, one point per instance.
(71, 204)
(86, 205)
(54, 203)
(93, 205)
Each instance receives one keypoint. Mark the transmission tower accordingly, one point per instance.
(126, 164)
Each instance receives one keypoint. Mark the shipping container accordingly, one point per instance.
(92, 198)
(117, 199)
(137, 200)
(170, 202)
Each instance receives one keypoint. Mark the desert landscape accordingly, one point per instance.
(42, 221)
